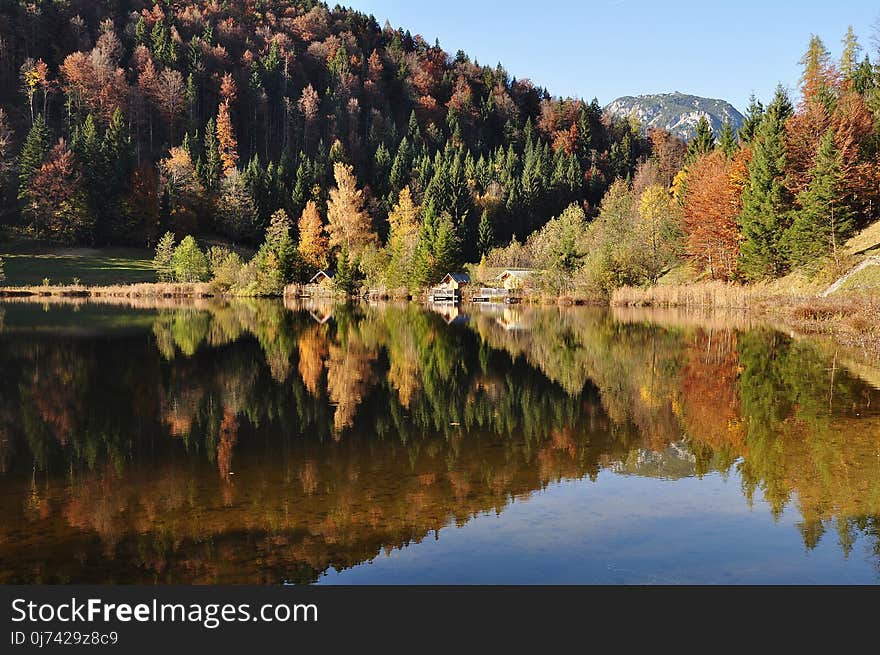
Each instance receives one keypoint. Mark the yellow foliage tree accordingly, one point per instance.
(348, 223)
(658, 230)
(226, 141)
(313, 243)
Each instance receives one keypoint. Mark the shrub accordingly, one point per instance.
(225, 267)
(189, 262)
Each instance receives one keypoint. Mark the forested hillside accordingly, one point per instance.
(207, 117)
(334, 141)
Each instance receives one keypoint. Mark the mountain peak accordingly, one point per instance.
(676, 112)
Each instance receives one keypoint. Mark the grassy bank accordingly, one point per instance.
(850, 318)
(143, 290)
(27, 264)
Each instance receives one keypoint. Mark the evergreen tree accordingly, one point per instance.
(212, 170)
(485, 234)
(766, 202)
(823, 221)
(728, 141)
(754, 116)
(704, 141)
(850, 56)
(346, 273)
(446, 247)
(280, 242)
(33, 153)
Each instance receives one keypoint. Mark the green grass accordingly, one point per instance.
(27, 264)
(867, 279)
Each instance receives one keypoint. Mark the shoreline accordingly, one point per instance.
(851, 319)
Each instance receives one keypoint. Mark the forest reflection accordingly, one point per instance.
(257, 442)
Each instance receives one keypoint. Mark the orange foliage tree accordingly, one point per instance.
(711, 206)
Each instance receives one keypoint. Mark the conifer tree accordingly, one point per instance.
(754, 116)
(446, 247)
(346, 272)
(212, 169)
(280, 242)
(33, 152)
(823, 221)
(727, 141)
(485, 234)
(850, 56)
(766, 202)
(704, 141)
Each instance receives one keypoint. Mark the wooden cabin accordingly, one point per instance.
(321, 285)
(449, 289)
(321, 279)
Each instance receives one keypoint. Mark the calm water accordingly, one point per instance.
(255, 442)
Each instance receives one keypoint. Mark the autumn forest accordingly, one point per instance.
(316, 138)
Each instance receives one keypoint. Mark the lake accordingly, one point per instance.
(253, 442)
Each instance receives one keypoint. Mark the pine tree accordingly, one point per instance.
(751, 123)
(823, 221)
(850, 56)
(117, 152)
(446, 247)
(280, 242)
(33, 152)
(485, 235)
(728, 141)
(345, 279)
(704, 141)
(212, 169)
(766, 202)
(162, 258)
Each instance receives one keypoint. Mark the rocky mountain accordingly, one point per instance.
(677, 112)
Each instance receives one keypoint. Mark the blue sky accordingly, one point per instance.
(610, 48)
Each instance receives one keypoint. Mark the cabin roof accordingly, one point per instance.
(320, 276)
(461, 278)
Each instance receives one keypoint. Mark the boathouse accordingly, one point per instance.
(449, 289)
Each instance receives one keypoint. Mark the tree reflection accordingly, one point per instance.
(305, 438)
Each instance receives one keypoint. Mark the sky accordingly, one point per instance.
(611, 48)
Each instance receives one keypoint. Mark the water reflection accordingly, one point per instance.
(253, 442)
